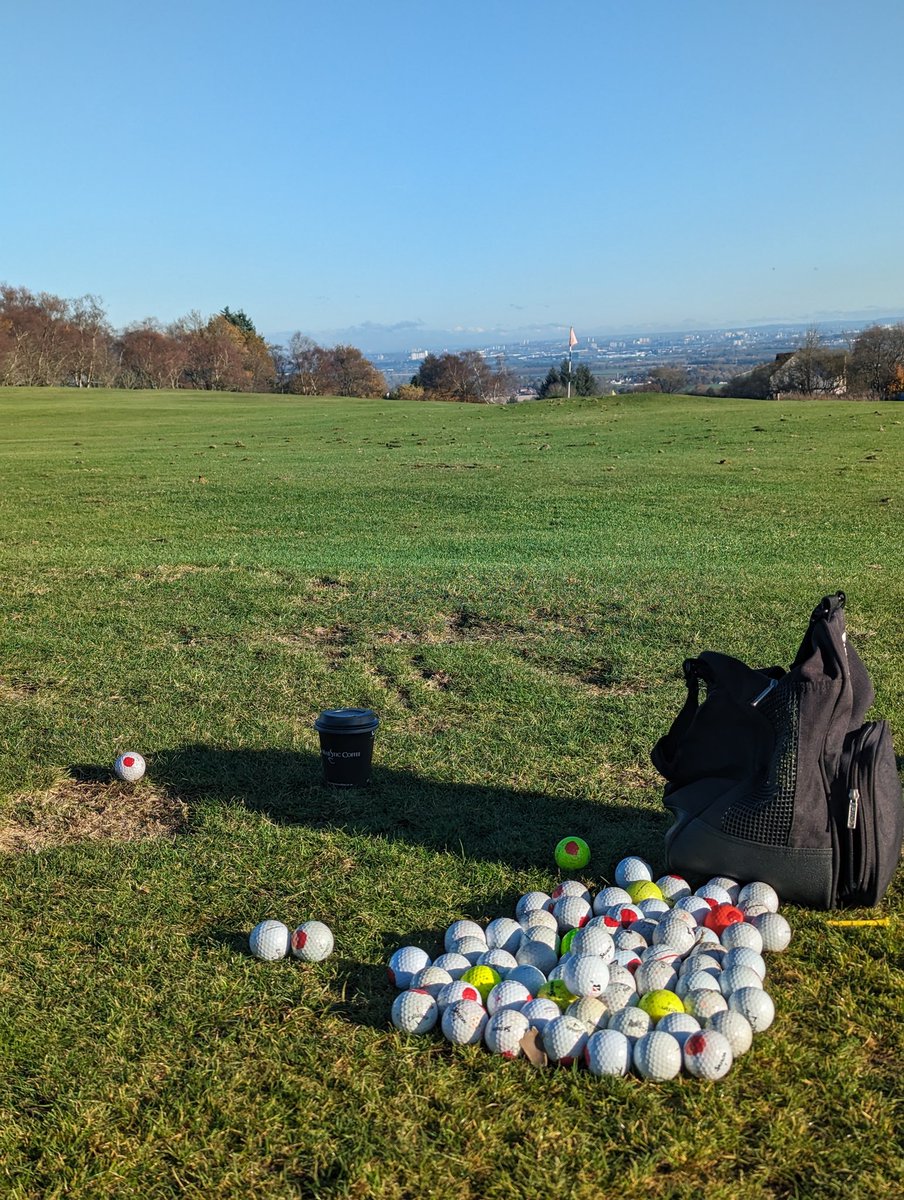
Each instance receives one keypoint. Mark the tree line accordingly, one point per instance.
(48, 341)
(873, 368)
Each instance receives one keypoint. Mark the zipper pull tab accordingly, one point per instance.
(853, 808)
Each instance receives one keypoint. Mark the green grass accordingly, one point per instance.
(513, 590)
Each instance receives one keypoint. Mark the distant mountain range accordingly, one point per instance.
(373, 337)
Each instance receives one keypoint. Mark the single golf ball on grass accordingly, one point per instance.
(572, 854)
(414, 1012)
(269, 940)
(312, 941)
(129, 767)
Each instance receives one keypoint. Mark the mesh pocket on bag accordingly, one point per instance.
(767, 815)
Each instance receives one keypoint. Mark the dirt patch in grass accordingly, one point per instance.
(90, 811)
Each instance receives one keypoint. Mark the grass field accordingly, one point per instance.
(513, 590)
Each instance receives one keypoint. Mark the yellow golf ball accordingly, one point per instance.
(643, 890)
(660, 1003)
(572, 853)
(483, 978)
(556, 991)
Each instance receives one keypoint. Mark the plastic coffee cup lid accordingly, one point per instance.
(347, 720)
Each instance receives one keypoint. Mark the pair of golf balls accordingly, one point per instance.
(271, 940)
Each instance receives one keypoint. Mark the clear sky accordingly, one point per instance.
(426, 165)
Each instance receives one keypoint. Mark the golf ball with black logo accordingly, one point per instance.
(591, 1013)
(657, 1056)
(405, 964)
(312, 941)
(504, 1031)
(755, 1005)
(608, 1052)
(564, 1040)
(269, 940)
(414, 1012)
(633, 1022)
(618, 996)
(129, 766)
(654, 976)
(593, 939)
(708, 1055)
(586, 975)
(463, 1022)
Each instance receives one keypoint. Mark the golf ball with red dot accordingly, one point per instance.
(129, 766)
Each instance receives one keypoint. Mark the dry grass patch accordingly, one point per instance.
(90, 811)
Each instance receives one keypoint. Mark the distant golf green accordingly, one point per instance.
(513, 590)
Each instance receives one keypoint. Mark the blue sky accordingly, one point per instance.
(379, 171)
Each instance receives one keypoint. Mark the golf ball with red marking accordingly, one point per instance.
(312, 941)
(130, 766)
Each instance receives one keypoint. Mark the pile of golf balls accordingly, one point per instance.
(270, 940)
(645, 975)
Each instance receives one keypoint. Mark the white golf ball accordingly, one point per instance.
(499, 960)
(631, 1021)
(414, 1012)
(708, 1055)
(674, 932)
(706, 937)
(461, 929)
(759, 893)
(673, 887)
(532, 979)
(608, 1052)
(455, 964)
(542, 933)
(657, 1056)
(654, 976)
(742, 957)
(463, 1022)
(755, 1005)
(507, 994)
(654, 909)
(632, 870)
(564, 1040)
(704, 1003)
(504, 934)
(774, 930)
(468, 947)
(532, 901)
(540, 918)
(623, 970)
(504, 1031)
(455, 991)
(695, 905)
(269, 940)
(431, 980)
(728, 885)
(628, 939)
(735, 1027)
(593, 939)
(591, 1012)
(714, 891)
(571, 912)
(742, 933)
(732, 979)
(586, 975)
(570, 887)
(537, 954)
(541, 1011)
(679, 1025)
(608, 897)
(617, 997)
(312, 941)
(130, 766)
(405, 964)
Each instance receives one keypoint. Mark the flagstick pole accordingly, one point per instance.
(570, 348)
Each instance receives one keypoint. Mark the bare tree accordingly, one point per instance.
(876, 364)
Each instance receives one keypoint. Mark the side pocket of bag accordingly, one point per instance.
(869, 816)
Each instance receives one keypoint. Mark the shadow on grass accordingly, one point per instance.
(489, 823)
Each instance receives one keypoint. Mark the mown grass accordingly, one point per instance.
(513, 590)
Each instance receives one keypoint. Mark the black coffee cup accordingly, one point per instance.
(346, 745)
